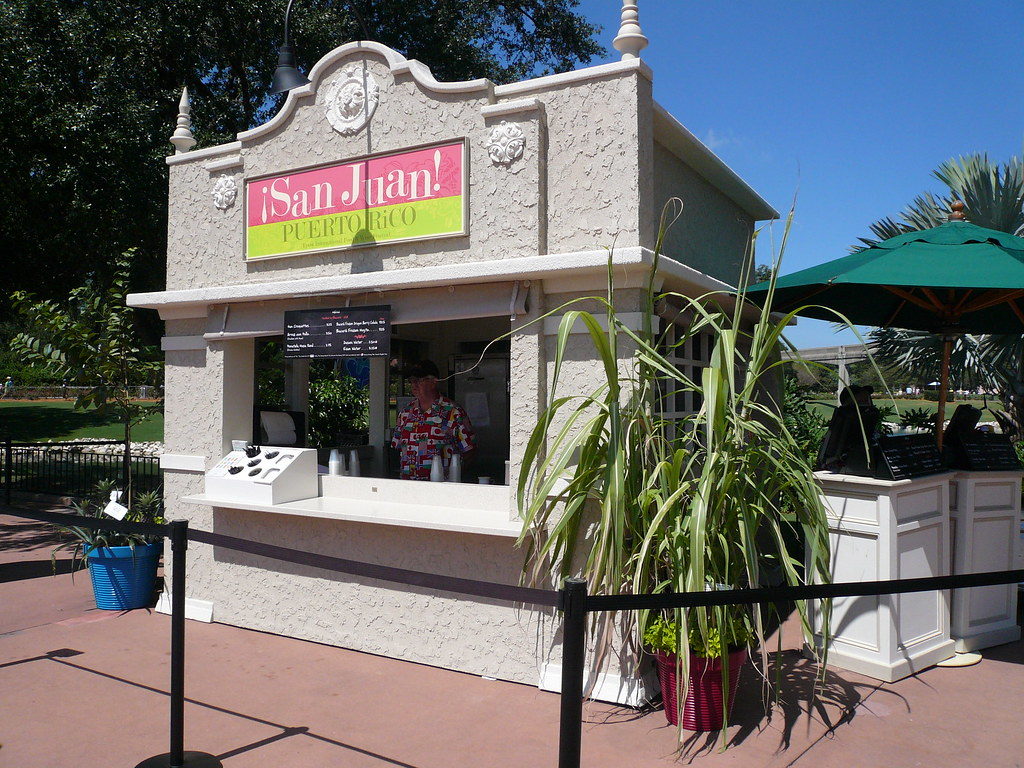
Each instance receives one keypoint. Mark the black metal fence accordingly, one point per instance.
(71, 469)
(64, 392)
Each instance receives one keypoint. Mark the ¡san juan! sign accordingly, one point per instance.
(411, 195)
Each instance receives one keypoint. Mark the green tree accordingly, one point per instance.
(337, 407)
(89, 90)
(993, 195)
(90, 341)
(805, 424)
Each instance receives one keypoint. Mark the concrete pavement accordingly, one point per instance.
(84, 687)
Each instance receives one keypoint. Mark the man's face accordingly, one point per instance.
(424, 387)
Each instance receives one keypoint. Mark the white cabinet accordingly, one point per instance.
(985, 531)
(881, 530)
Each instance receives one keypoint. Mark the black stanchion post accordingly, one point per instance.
(574, 651)
(179, 544)
(178, 757)
(8, 474)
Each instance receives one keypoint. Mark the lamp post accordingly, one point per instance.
(287, 75)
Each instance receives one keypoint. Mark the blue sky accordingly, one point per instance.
(847, 105)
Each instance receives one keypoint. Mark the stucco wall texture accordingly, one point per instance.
(712, 234)
(591, 174)
(589, 183)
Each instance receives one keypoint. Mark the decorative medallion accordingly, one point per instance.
(506, 143)
(351, 100)
(225, 190)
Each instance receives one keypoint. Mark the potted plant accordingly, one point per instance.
(713, 670)
(639, 499)
(122, 566)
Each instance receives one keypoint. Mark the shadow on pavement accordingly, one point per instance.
(60, 653)
(802, 697)
(58, 657)
(33, 569)
(22, 537)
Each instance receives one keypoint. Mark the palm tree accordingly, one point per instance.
(993, 195)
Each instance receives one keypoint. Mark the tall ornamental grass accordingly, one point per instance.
(638, 503)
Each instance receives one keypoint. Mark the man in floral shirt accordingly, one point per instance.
(430, 425)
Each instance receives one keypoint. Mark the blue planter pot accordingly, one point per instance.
(123, 579)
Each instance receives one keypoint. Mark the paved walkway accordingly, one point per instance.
(82, 687)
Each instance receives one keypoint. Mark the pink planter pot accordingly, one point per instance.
(702, 710)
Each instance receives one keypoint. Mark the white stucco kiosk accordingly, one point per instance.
(555, 170)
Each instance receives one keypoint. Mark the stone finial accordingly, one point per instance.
(182, 139)
(631, 39)
(956, 212)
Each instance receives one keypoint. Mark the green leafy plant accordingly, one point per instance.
(805, 423)
(90, 341)
(146, 508)
(337, 406)
(639, 503)
(887, 416)
(918, 418)
(662, 634)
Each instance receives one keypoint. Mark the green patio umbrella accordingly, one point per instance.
(954, 278)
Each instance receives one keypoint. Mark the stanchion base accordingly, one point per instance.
(961, 660)
(192, 760)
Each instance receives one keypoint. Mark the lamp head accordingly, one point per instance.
(287, 75)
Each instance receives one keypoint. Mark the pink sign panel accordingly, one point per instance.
(401, 196)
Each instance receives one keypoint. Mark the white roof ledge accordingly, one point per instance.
(629, 260)
(674, 136)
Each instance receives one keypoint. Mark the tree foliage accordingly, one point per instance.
(337, 407)
(89, 93)
(90, 340)
(992, 194)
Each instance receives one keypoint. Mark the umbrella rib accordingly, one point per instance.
(960, 304)
(817, 289)
(899, 308)
(937, 304)
(908, 296)
(1016, 310)
(992, 298)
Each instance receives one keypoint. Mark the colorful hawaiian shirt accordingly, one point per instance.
(420, 435)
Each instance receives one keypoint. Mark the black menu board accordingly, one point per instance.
(900, 457)
(348, 332)
(986, 452)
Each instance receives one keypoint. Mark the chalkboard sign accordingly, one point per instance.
(984, 452)
(900, 457)
(348, 332)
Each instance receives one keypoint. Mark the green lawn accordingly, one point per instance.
(824, 408)
(37, 420)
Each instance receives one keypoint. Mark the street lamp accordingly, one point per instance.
(287, 75)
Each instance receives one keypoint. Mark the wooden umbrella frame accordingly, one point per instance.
(950, 313)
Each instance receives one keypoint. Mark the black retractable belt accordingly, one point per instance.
(488, 589)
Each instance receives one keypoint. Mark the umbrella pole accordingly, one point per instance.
(940, 419)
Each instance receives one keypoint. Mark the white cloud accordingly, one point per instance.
(715, 140)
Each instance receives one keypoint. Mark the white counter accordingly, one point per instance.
(457, 507)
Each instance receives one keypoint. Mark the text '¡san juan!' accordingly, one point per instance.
(409, 195)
